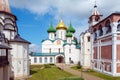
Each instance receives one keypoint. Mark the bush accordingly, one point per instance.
(79, 65)
(72, 78)
(47, 66)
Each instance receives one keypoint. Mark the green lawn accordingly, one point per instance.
(52, 73)
(98, 74)
(104, 76)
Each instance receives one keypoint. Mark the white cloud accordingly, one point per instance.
(76, 10)
(34, 48)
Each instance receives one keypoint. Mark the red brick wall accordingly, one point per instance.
(118, 38)
(118, 67)
(95, 53)
(118, 52)
(106, 52)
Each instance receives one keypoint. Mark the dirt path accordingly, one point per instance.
(77, 73)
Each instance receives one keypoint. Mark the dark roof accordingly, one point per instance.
(19, 39)
(9, 14)
(4, 47)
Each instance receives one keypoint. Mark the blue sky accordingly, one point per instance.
(35, 16)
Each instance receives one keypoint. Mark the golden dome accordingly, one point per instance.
(61, 25)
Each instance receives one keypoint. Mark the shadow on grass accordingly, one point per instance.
(32, 72)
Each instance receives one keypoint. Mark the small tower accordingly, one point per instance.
(71, 30)
(95, 17)
(61, 30)
(69, 37)
(51, 31)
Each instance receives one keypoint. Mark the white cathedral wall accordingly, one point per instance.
(51, 36)
(43, 60)
(47, 45)
(74, 54)
(61, 34)
(20, 60)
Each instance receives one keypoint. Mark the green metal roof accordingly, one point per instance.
(51, 29)
(70, 28)
(68, 34)
(45, 54)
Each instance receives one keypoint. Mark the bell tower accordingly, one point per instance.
(95, 17)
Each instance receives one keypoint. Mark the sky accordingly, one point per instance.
(35, 16)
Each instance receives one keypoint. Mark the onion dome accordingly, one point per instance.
(51, 29)
(68, 34)
(61, 25)
(71, 29)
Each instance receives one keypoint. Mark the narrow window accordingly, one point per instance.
(59, 50)
(35, 60)
(50, 59)
(45, 59)
(88, 38)
(50, 50)
(69, 50)
(40, 60)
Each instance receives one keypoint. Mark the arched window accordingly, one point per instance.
(107, 24)
(45, 59)
(101, 31)
(97, 18)
(118, 27)
(35, 60)
(51, 60)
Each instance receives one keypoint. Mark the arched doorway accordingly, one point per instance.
(60, 59)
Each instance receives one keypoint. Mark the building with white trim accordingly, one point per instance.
(85, 49)
(105, 42)
(60, 47)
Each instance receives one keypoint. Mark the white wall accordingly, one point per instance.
(20, 60)
(54, 46)
(43, 59)
(85, 50)
(74, 54)
(61, 34)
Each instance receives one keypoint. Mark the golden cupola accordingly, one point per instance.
(61, 25)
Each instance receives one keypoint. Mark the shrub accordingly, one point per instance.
(72, 78)
(79, 65)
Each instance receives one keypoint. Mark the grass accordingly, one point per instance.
(52, 73)
(98, 74)
(103, 76)
(72, 78)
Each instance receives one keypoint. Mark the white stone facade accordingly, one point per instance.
(17, 48)
(59, 49)
(85, 44)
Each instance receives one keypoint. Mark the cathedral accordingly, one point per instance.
(14, 61)
(60, 47)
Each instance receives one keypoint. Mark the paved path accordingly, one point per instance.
(77, 73)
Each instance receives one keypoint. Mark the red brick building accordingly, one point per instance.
(105, 42)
